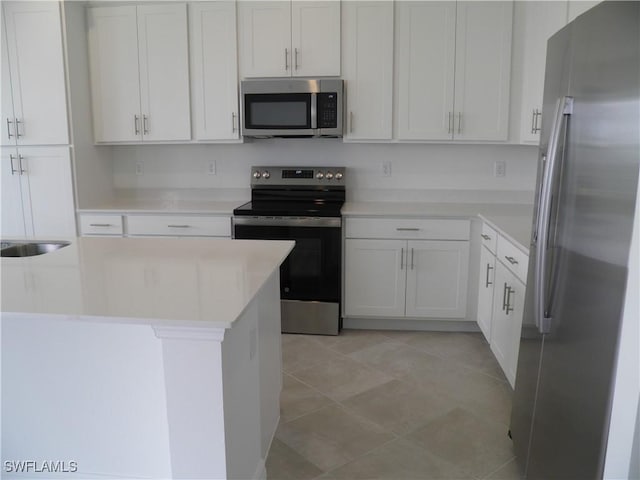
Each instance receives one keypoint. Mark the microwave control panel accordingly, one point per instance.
(327, 110)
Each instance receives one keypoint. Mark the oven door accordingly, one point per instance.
(312, 270)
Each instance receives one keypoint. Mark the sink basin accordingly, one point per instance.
(13, 249)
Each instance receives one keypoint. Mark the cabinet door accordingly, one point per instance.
(34, 41)
(115, 84)
(375, 277)
(425, 55)
(215, 70)
(483, 70)
(508, 308)
(7, 129)
(265, 39)
(47, 191)
(437, 274)
(315, 38)
(164, 72)
(367, 69)
(541, 20)
(12, 211)
(486, 282)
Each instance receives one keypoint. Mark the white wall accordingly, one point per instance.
(423, 168)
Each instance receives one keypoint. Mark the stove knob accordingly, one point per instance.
(266, 174)
(319, 175)
(329, 175)
(256, 175)
(339, 175)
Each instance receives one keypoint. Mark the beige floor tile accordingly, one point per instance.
(300, 352)
(284, 463)
(508, 471)
(468, 349)
(350, 341)
(331, 436)
(298, 399)
(341, 377)
(398, 406)
(460, 438)
(400, 459)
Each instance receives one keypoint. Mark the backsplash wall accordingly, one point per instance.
(418, 171)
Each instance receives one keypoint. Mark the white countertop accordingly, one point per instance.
(513, 220)
(160, 281)
(166, 206)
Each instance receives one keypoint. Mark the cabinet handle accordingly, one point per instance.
(233, 122)
(178, 226)
(11, 158)
(286, 59)
(533, 121)
(100, 225)
(9, 134)
(486, 237)
(508, 307)
(487, 283)
(402, 258)
(405, 229)
(511, 260)
(136, 124)
(449, 124)
(22, 170)
(145, 124)
(18, 134)
(350, 122)
(536, 114)
(295, 57)
(504, 297)
(412, 259)
(460, 122)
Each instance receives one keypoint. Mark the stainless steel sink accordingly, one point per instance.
(29, 249)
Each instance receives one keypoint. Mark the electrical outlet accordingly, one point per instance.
(139, 167)
(386, 168)
(500, 168)
(211, 167)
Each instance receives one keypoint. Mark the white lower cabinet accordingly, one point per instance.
(412, 278)
(37, 192)
(485, 291)
(506, 322)
(501, 291)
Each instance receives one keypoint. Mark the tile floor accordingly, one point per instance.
(392, 405)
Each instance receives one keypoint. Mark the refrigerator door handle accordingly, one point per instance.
(564, 106)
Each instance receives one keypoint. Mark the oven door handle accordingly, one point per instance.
(331, 222)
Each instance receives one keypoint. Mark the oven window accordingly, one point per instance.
(306, 260)
(278, 111)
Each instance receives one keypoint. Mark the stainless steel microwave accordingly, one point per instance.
(292, 107)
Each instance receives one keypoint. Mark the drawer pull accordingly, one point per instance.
(178, 226)
(511, 260)
(486, 237)
(400, 229)
(101, 225)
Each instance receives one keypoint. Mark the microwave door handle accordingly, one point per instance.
(314, 111)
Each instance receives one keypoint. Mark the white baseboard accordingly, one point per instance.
(408, 324)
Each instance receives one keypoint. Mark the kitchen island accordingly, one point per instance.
(130, 358)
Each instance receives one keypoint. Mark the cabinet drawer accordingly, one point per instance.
(179, 225)
(513, 258)
(407, 228)
(489, 238)
(101, 224)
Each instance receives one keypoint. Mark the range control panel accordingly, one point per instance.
(297, 176)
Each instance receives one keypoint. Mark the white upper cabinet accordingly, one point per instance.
(214, 66)
(539, 20)
(283, 39)
(454, 70)
(34, 102)
(139, 73)
(367, 69)
(578, 7)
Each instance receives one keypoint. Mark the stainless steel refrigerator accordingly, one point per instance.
(579, 253)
